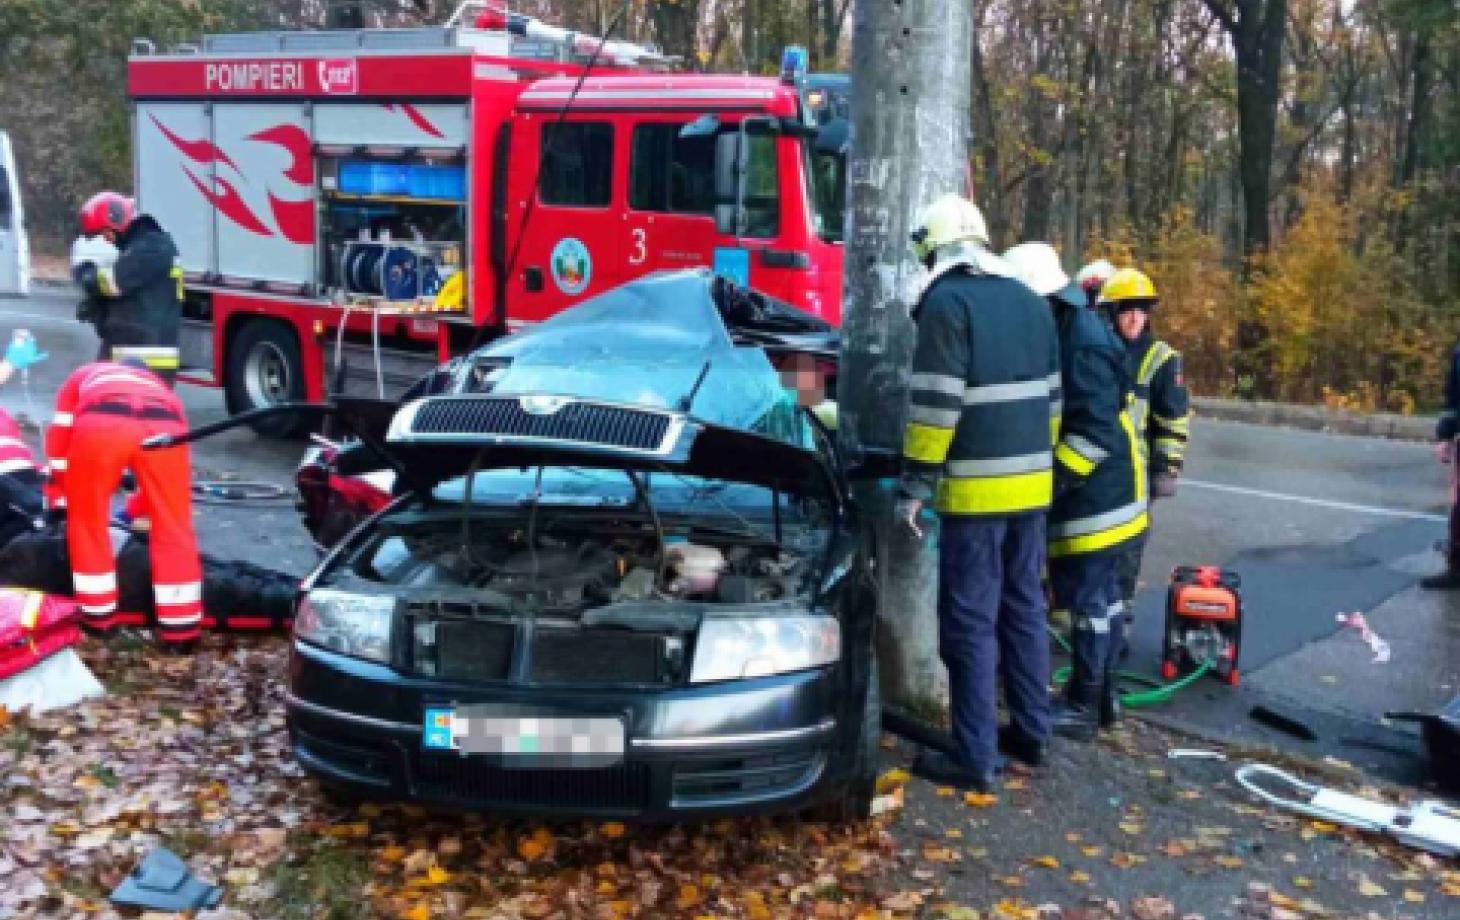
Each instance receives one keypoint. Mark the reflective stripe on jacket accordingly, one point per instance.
(983, 398)
(1160, 408)
(1101, 481)
(142, 294)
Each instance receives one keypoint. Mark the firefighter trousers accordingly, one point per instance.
(1086, 585)
(104, 443)
(991, 622)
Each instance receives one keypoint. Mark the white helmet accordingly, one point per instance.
(1038, 266)
(1094, 275)
(948, 220)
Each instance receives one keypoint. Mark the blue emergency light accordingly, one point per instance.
(795, 62)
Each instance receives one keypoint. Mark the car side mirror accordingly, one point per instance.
(732, 159)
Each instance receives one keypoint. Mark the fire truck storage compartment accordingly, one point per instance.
(270, 192)
(393, 227)
(393, 183)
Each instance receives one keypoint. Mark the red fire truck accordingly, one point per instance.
(353, 206)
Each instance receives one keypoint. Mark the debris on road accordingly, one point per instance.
(1426, 825)
(1274, 719)
(1194, 754)
(162, 882)
(1357, 621)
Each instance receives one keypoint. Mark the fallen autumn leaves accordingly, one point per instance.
(192, 753)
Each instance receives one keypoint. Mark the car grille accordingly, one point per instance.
(468, 780)
(473, 651)
(599, 656)
(743, 779)
(608, 425)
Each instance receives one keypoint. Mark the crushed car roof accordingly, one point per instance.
(645, 376)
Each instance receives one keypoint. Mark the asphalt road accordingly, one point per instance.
(1316, 524)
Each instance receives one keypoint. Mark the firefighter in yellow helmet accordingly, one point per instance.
(1160, 405)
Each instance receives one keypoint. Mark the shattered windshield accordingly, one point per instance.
(659, 343)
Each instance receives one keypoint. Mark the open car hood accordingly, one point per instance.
(444, 437)
(668, 372)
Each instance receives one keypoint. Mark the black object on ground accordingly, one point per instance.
(1282, 723)
(908, 726)
(162, 882)
(236, 595)
(1441, 731)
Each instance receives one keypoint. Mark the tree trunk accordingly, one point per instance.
(991, 195)
(748, 22)
(1038, 187)
(1256, 28)
(910, 108)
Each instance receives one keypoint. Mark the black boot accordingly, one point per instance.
(1076, 715)
(1110, 707)
(1020, 746)
(943, 769)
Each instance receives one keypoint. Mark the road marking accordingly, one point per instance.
(1316, 502)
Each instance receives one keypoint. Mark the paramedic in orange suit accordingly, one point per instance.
(104, 412)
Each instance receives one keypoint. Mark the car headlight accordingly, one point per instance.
(358, 625)
(736, 647)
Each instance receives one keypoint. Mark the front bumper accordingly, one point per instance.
(742, 747)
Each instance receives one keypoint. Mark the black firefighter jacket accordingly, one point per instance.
(983, 397)
(1161, 405)
(141, 297)
(1100, 481)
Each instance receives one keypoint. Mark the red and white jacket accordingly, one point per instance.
(15, 456)
(87, 386)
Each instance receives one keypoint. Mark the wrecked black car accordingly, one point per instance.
(619, 574)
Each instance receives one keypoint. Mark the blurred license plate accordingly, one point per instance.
(523, 738)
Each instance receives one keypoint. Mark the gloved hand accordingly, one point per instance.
(907, 511)
(54, 516)
(1163, 485)
(22, 353)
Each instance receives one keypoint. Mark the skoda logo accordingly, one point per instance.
(543, 405)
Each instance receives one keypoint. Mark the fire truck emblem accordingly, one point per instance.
(572, 266)
(339, 76)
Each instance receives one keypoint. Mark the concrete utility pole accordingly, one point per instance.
(909, 144)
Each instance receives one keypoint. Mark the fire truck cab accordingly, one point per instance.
(354, 206)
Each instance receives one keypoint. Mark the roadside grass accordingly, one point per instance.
(321, 880)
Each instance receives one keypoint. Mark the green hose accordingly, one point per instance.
(1158, 694)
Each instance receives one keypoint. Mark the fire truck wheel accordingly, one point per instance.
(265, 369)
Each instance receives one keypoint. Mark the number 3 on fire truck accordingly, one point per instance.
(640, 252)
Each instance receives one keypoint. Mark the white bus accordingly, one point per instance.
(14, 247)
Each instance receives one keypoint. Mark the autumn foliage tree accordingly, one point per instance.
(1288, 170)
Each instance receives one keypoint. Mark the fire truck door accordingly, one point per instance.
(565, 242)
(672, 196)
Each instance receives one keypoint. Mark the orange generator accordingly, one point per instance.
(1203, 622)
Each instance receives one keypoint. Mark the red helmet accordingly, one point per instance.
(106, 211)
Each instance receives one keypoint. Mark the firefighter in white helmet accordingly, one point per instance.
(983, 391)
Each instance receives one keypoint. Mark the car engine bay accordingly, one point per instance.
(575, 562)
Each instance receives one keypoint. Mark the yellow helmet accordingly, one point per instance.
(1127, 284)
(950, 219)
